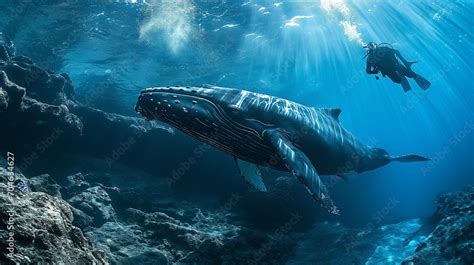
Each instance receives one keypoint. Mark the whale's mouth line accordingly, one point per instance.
(218, 112)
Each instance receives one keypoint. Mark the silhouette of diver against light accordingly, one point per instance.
(385, 59)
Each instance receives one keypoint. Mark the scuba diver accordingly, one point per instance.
(385, 59)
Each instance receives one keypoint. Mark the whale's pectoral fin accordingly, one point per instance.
(251, 173)
(299, 164)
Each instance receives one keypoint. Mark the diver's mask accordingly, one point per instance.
(371, 46)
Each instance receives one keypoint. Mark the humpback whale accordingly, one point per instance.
(262, 130)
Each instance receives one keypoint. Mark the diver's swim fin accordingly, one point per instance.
(422, 82)
(405, 84)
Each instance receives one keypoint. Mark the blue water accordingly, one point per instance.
(306, 51)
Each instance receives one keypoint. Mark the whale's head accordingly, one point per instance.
(197, 109)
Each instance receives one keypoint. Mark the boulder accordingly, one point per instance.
(44, 183)
(96, 203)
(126, 244)
(40, 230)
(75, 184)
(452, 240)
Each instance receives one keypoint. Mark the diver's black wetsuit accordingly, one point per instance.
(389, 61)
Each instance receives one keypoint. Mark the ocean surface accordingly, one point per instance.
(310, 52)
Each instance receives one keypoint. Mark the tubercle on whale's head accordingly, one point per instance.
(163, 103)
(186, 107)
(158, 100)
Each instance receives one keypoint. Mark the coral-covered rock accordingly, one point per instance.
(187, 236)
(44, 183)
(96, 203)
(41, 84)
(11, 95)
(40, 228)
(452, 241)
(81, 219)
(126, 244)
(75, 184)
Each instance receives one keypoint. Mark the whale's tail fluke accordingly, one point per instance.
(409, 158)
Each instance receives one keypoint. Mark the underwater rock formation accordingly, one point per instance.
(412, 241)
(190, 237)
(124, 244)
(44, 119)
(151, 227)
(44, 183)
(452, 241)
(42, 230)
(94, 202)
(181, 232)
(33, 99)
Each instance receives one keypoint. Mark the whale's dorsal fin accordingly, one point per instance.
(333, 112)
(299, 164)
(251, 173)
